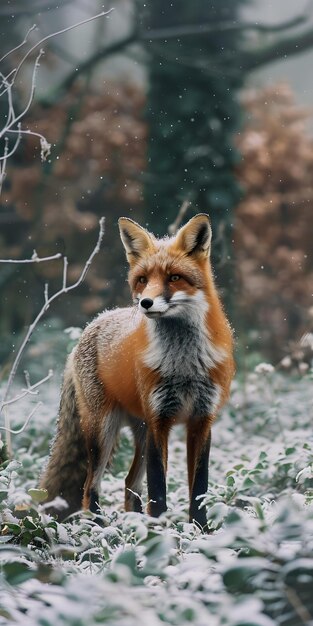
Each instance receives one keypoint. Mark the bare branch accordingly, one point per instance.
(222, 27)
(173, 228)
(46, 292)
(27, 378)
(102, 53)
(299, 608)
(19, 45)
(44, 309)
(63, 54)
(20, 430)
(12, 123)
(281, 49)
(45, 146)
(34, 259)
(89, 261)
(31, 389)
(4, 162)
(7, 154)
(134, 493)
(59, 32)
(12, 120)
(30, 99)
(65, 265)
(136, 36)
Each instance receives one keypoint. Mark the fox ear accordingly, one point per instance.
(195, 236)
(136, 240)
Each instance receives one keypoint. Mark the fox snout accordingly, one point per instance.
(151, 306)
(147, 303)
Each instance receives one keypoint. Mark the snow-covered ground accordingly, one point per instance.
(255, 567)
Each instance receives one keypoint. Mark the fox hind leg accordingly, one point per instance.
(100, 450)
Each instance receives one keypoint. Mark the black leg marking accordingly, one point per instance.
(94, 501)
(137, 503)
(133, 481)
(155, 478)
(91, 495)
(200, 486)
(94, 506)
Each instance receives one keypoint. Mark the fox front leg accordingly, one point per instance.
(198, 451)
(157, 446)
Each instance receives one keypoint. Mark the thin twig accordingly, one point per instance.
(30, 390)
(134, 493)
(59, 32)
(8, 438)
(173, 228)
(249, 59)
(65, 265)
(299, 608)
(8, 154)
(8, 90)
(45, 146)
(34, 259)
(280, 48)
(46, 292)
(6, 86)
(3, 165)
(20, 430)
(95, 58)
(20, 44)
(13, 120)
(44, 309)
(175, 32)
(172, 32)
(30, 99)
(27, 378)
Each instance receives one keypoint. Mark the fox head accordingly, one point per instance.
(168, 276)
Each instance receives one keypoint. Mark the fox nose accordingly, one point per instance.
(146, 303)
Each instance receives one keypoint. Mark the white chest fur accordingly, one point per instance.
(181, 352)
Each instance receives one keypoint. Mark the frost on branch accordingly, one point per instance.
(11, 130)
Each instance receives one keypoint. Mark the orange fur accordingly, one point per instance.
(168, 360)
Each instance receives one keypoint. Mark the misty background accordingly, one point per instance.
(148, 107)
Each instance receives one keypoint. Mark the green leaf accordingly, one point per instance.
(299, 573)
(3, 494)
(28, 523)
(128, 558)
(240, 577)
(38, 495)
(233, 517)
(14, 528)
(157, 553)
(17, 572)
(248, 482)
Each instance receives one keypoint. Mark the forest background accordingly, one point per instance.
(148, 109)
(155, 105)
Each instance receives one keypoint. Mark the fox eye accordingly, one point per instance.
(174, 278)
(142, 280)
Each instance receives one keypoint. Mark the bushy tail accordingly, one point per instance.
(66, 470)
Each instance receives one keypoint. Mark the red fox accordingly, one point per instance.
(167, 360)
